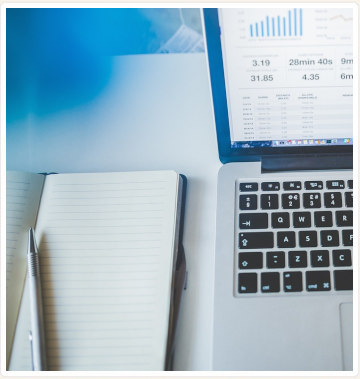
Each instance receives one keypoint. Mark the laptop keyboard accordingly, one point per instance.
(293, 236)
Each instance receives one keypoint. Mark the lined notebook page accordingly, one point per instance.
(107, 243)
(20, 359)
(23, 192)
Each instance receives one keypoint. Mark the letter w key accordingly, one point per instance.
(302, 219)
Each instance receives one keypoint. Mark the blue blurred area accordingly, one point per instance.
(60, 58)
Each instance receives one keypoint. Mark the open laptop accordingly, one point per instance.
(281, 81)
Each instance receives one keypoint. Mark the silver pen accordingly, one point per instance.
(37, 332)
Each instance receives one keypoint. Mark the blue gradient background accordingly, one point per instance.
(57, 59)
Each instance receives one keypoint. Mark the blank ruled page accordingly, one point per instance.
(20, 359)
(106, 245)
(23, 192)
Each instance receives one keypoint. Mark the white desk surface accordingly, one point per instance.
(155, 113)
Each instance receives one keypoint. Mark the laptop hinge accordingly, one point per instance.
(306, 162)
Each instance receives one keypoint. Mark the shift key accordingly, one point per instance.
(256, 240)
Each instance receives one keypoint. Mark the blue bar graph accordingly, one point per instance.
(289, 19)
(284, 24)
(270, 26)
(278, 24)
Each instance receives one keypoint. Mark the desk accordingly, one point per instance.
(153, 114)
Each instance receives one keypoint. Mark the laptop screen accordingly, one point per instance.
(287, 74)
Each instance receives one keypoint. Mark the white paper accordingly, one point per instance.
(23, 192)
(106, 244)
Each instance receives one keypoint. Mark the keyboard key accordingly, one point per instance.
(335, 184)
(347, 236)
(297, 259)
(290, 200)
(291, 186)
(343, 280)
(302, 219)
(349, 199)
(318, 281)
(247, 283)
(253, 220)
(319, 258)
(270, 201)
(280, 220)
(308, 239)
(329, 238)
(323, 219)
(270, 282)
(256, 240)
(248, 202)
(286, 239)
(350, 184)
(275, 259)
(313, 184)
(332, 200)
(270, 186)
(312, 200)
(341, 258)
(251, 260)
(249, 187)
(344, 218)
(293, 281)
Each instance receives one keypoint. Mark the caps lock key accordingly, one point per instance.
(256, 240)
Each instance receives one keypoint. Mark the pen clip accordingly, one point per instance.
(31, 347)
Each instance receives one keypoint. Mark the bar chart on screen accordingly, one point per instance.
(279, 25)
(305, 25)
(291, 69)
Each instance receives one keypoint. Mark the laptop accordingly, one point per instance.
(282, 86)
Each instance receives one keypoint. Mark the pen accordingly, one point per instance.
(37, 333)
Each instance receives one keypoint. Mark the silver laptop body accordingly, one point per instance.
(283, 262)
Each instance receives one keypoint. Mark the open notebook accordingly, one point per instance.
(108, 247)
